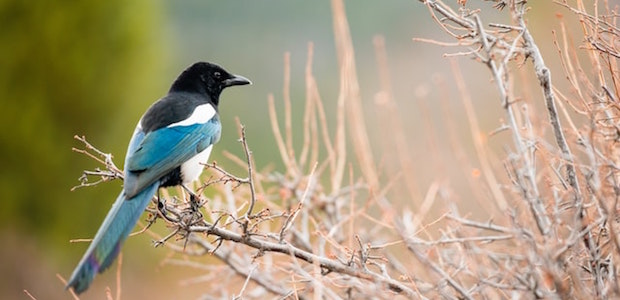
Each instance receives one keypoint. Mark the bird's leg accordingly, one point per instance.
(193, 198)
(161, 204)
(161, 208)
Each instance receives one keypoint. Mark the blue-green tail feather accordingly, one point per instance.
(106, 245)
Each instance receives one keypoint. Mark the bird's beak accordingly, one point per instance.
(237, 80)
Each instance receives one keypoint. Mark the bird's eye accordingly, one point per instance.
(217, 75)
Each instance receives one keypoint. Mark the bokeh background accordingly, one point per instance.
(92, 68)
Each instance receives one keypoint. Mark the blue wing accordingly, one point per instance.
(153, 155)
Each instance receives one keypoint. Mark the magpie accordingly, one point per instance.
(169, 146)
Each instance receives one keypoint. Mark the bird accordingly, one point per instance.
(169, 147)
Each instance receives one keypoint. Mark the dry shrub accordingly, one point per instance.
(325, 226)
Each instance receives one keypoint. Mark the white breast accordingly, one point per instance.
(191, 169)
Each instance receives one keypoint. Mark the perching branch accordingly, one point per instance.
(176, 215)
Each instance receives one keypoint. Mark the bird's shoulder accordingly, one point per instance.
(174, 108)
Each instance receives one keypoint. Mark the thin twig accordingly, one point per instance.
(248, 156)
(29, 294)
(291, 219)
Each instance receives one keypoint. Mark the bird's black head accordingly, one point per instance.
(206, 78)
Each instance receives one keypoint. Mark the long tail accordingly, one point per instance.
(106, 245)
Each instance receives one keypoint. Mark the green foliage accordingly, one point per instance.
(67, 67)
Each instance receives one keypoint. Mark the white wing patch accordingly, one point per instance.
(202, 114)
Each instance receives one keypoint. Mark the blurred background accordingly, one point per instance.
(92, 68)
